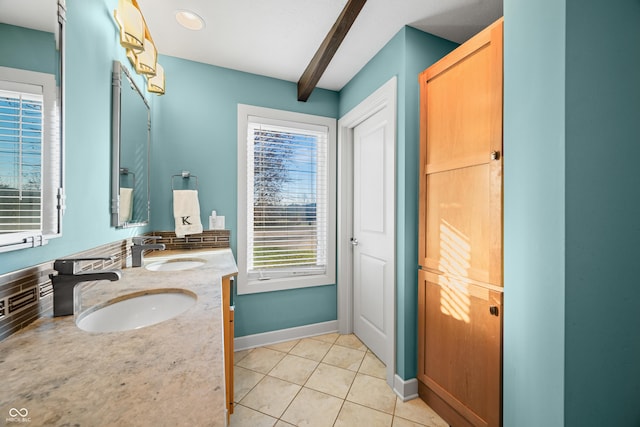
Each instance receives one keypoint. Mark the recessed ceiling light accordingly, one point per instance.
(189, 20)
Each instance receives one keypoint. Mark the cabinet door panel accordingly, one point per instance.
(459, 113)
(461, 346)
(459, 215)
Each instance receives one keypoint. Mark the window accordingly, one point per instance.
(28, 140)
(286, 203)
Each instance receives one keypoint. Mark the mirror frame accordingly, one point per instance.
(119, 73)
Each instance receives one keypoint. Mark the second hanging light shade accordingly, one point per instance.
(147, 59)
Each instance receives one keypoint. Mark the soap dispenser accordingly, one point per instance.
(212, 220)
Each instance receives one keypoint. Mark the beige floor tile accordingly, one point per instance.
(401, 422)
(271, 396)
(330, 338)
(353, 415)
(343, 357)
(281, 423)
(294, 369)
(351, 341)
(239, 355)
(311, 349)
(261, 360)
(417, 411)
(371, 365)
(243, 381)
(311, 408)
(373, 393)
(284, 347)
(243, 417)
(331, 380)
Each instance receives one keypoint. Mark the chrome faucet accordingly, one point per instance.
(67, 278)
(139, 247)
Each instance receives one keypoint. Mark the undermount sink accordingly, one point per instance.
(137, 310)
(176, 264)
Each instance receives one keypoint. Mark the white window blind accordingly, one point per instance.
(287, 221)
(21, 143)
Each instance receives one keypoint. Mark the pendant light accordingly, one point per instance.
(136, 39)
(132, 26)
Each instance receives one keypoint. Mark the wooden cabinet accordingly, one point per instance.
(460, 232)
(228, 331)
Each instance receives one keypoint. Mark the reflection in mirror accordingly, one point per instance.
(130, 152)
(31, 122)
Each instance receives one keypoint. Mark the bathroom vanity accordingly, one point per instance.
(169, 373)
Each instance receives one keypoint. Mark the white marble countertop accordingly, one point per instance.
(167, 374)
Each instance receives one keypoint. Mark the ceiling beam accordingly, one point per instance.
(328, 48)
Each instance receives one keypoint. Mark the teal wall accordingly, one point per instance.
(41, 46)
(602, 292)
(572, 97)
(404, 56)
(534, 226)
(194, 128)
(92, 44)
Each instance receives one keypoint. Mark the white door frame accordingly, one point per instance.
(383, 99)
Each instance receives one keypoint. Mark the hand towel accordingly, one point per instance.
(126, 204)
(186, 211)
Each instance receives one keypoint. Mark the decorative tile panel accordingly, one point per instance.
(208, 239)
(23, 299)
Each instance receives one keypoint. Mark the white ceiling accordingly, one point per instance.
(36, 14)
(278, 38)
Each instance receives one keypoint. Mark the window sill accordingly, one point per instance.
(17, 241)
(253, 286)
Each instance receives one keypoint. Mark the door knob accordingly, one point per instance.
(354, 241)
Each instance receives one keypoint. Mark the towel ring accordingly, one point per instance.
(184, 175)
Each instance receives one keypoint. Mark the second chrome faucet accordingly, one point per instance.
(139, 246)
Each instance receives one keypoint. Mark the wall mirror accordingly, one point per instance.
(131, 130)
(31, 122)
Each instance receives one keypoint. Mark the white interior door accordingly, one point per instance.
(373, 234)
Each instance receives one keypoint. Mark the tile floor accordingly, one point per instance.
(328, 380)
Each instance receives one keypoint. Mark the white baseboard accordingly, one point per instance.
(406, 390)
(282, 335)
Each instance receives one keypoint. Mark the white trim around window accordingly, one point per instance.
(259, 269)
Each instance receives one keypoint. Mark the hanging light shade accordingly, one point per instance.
(155, 84)
(147, 59)
(132, 26)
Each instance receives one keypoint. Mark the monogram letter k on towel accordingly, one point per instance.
(186, 211)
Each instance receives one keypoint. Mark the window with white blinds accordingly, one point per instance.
(30, 159)
(21, 141)
(288, 220)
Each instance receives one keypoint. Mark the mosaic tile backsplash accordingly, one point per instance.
(27, 294)
(208, 239)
